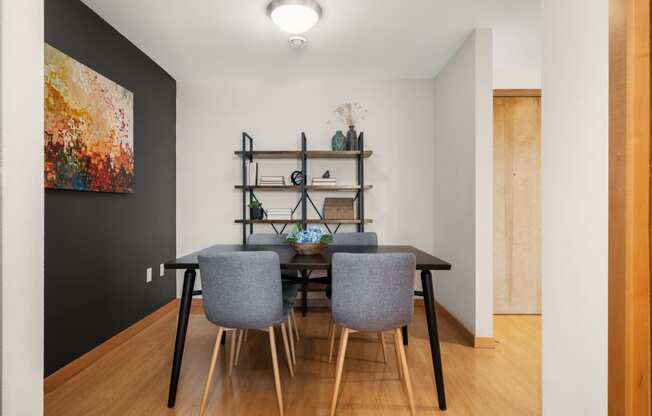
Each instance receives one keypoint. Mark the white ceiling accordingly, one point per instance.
(355, 39)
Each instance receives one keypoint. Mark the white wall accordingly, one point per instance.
(518, 48)
(21, 194)
(463, 183)
(398, 128)
(574, 175)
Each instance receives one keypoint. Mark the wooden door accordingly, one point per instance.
(517, 213)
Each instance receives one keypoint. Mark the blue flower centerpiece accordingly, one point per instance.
(308, 242)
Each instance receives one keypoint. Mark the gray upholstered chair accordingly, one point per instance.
(373, 293)
(355, 239)
(350, 239)
(290, 287)
(242, 290)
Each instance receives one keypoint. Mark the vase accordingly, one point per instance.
(338, 142)
(351, 139)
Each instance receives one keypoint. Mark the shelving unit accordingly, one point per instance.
(248, 154)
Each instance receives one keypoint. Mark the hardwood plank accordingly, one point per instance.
(132, 379)
(56, 379)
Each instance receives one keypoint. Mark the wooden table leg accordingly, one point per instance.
(182, 327)
(431, 319)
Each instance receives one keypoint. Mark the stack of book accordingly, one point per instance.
(279, 214)
(271, 181)
(324, 181)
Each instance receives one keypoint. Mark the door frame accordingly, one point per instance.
(629, 208)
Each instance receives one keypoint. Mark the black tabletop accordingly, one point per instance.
(291, 261)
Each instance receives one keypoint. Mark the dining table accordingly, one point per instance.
(290, 260)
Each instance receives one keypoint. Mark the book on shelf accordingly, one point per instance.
(324, 181)
(271, 181)
(279, 213)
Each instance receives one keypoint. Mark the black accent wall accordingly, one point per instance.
(99, 245)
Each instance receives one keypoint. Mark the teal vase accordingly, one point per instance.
(339, 141)
(351, 139)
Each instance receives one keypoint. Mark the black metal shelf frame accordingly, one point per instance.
(248, 155)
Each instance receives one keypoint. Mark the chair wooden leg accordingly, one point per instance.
(332, 341)
(340, 365)
(294, 323)
(246, 332)
(209, 379)
(381, 341)
(277, 377)
(234, 334)
(292, 348)
(399, 366)
(406, 372)
(239, 346)
(287, 349)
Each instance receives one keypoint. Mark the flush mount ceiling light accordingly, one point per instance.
(294, 16)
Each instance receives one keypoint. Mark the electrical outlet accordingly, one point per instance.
(149, 274)
(161, 270)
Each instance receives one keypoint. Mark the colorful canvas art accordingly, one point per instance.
(89, 143)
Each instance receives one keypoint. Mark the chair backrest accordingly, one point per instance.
(266, 239)
(242, 289)
(373, 292)
(355, 239)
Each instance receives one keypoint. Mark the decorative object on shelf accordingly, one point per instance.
(326, 174)
(351, 139)
(338, 208)
(338, 142)
(349, 114)
(89, 139)
(297, 177)
(308, 242)
(256, 210)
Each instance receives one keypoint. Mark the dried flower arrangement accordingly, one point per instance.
(350, 113)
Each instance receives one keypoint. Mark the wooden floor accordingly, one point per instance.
(133, 379)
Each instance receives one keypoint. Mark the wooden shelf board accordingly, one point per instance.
(310, 221)
(311, 188)
(310, 154)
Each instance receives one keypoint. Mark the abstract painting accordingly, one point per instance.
(89, 143)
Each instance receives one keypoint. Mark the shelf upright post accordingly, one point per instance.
(304, 171)
(246, 137)
(244, 187)
(361, 182)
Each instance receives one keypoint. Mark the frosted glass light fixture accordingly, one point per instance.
(294, 16)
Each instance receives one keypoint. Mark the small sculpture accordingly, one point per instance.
(326, 174)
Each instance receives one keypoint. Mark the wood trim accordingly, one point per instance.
(472, 340)
(56, 379)
(517, 93)
(629, 208)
